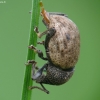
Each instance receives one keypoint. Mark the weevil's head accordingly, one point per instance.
(45, 15)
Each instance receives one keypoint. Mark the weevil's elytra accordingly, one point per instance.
(67, 36)
(62, 46)
(67, 40)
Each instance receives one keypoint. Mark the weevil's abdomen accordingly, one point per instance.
(64, 46)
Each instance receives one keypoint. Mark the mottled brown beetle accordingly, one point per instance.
(62, 46)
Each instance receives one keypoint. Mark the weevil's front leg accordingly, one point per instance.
(40, 53)
(36, 76)
(42, 89)
(31, 62)
(38, 33)
(57, 13)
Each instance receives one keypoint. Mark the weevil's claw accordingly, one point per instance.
(32, 47)
(36, 29)
(37, 32)
(30, 62)
(26, 64)
(30, 88)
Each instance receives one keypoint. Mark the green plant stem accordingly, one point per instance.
(26, 93)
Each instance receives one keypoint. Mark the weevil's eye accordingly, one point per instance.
(44, 14)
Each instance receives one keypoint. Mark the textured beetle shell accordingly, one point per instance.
(55, 76)
(64, 46)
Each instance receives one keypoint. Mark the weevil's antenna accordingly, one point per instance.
(44, 13)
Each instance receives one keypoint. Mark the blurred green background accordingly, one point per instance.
(14, 36)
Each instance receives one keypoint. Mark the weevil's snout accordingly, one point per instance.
(45, 15)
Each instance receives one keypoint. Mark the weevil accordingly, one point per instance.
(62, 47)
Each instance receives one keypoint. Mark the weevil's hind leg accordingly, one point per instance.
(49, 31)
(57, 13)
(40, 53)
(38, 33)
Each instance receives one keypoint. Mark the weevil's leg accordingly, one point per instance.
(36, 87)
(42, 42)
(50, 31)
(40, 53)
(36, 76)
(57, 13)
(31, 62)
(44, 88)
(38, 33)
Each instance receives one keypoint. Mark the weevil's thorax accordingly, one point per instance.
(56, 76)
(64, 46)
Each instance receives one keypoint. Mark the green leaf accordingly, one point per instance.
(26, 93)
